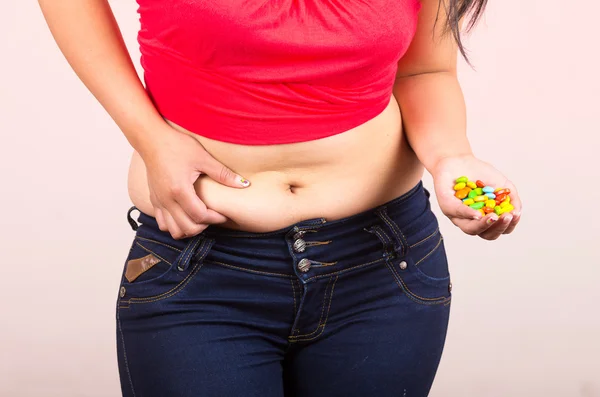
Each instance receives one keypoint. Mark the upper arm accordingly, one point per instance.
(430, 50)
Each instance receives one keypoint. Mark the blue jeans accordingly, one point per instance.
(351, 307)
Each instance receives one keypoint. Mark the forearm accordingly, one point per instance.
(89, 37)
(434, 116)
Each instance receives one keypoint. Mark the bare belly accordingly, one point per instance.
(333, 177)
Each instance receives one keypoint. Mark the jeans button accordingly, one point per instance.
(299, 245)
(299, 234)
(403, 265)
(304, 265)
(122, 292)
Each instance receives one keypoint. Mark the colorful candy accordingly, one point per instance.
(484, 198)
(460, 185)
(462, 193)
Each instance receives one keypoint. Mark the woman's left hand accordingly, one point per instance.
(467, 219)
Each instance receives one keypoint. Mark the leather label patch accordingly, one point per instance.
(136, 267)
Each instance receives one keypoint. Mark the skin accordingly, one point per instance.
(189, 182)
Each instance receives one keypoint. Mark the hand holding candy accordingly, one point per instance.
(482, 197)
(477, 217)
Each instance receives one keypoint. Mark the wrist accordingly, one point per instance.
(440, 161)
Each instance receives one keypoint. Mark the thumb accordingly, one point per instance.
(222, 174)
(456, 209)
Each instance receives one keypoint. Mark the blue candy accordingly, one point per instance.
(491, 195)
(488, 189)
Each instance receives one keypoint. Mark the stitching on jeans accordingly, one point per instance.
(158, 242)
(414, 297)
(173, 290)
(294, 294)
(326, 318)
(313, 243)
(322, 264)
(344, 270)
(425, 239)
(125, 353)
(384, 217)
(250, 270)
(191, 250)
(417, 296)
(153, 253)
(431, 252)
(322, 312)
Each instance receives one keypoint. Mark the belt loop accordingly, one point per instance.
(196, 249)
(132, 222)
(400, 241)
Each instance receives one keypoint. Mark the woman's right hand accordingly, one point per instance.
(174, 161)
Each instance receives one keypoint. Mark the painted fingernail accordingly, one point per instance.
(243, 181)
(491, 220)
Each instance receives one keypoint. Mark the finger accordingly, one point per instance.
(172, 225)
(213, 217)
(474, 227)
(160, 219)
(185, 224)
(499, 227)
(222, 174)
(456, 209)
(187, 199)
(513, 224)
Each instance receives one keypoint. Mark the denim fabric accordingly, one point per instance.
(351, 307)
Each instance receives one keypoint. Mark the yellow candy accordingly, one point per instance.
(460, 186)
(469, 201)
(490, 203)
(508, 208)
(507, 199)
(505, 204)
(472, 185)
(481, 198)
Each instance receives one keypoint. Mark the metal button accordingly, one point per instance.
(299, 234)
(122, 292)
(450, 287)
(403, 265)
(299, 245)
(304, 265)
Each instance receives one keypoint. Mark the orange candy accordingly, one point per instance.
(462, 193)
(480, 184)
(488, 210)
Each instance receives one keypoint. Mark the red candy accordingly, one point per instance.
(501, 197)
(480, 184)
(502, 191)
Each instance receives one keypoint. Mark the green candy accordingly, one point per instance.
(477, 206)
(479, 191)
(473, 194)
(462, 179)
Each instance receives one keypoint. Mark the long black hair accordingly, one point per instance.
(457, 9)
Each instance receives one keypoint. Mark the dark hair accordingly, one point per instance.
(457, 9)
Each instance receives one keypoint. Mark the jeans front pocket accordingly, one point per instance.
(422, 272)
(158, 266)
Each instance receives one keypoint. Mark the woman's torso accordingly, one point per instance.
(332, 177)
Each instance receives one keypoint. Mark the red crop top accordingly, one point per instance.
(259, 72)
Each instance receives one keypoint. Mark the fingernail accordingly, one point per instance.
(243, 181)
(516, 214)
(491, 220)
